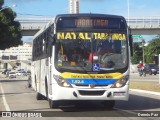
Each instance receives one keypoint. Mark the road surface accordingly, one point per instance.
(16, 96)
(149, 78)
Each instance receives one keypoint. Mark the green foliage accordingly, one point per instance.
(1, 3)
(137, 53)
(152, 49)
(10, 33)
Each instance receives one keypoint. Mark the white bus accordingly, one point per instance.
(82, 57)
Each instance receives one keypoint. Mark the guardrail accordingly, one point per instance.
(144, 22)
(134, 21)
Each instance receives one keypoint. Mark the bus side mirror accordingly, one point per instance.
(52, 37)
(131, 44)
(54, 40)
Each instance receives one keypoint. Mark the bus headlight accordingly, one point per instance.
(121, 82)
(61, 81)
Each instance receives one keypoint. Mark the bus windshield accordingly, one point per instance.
(91, 51)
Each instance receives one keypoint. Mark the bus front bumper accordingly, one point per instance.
(63, 93)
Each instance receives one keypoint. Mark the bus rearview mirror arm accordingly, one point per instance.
(131, 44)
(52, 38)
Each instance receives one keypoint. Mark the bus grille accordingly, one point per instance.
(80, 85)
(91, 93)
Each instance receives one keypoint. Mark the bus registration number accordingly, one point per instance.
(78, 81)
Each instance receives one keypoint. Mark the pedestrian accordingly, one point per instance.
(140, 68)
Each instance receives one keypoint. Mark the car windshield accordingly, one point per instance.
(12, 73)
(153, 66)
(102, 52)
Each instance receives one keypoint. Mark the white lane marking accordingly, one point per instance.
(4, 99)
(126, 111)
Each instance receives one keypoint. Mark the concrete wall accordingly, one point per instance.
(133, 68)
(25, 66)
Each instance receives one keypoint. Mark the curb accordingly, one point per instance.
(144, 91)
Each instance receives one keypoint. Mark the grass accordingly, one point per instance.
(149, 86)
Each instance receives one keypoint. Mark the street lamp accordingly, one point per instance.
(12, 6)
(142, 46)
(128, 4)
(143, 50)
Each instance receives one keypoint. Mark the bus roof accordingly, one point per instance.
(89, 15)
(75, 15)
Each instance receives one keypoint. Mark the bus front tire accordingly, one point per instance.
(53, 104)
(39, 96)
(109, 104)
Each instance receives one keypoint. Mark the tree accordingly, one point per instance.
(10, 33)
(152, 49)
(137, 53)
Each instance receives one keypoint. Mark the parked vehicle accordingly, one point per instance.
(151, 69)
(12, 75)
(20, 70)
(6, 71)
(28, 72)
(21, 73)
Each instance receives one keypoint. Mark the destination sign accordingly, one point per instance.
(87, 36)
(93, 23)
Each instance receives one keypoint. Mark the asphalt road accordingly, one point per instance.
(16, 96)
(149, 78)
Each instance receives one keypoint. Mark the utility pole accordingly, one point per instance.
(143, 42)
(128, 7)
(159, 67)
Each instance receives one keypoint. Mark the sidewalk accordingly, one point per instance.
(145, 91)
(148, 84)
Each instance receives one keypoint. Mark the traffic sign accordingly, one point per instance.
(96, 67)
(137, 36)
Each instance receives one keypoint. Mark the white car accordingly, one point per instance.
(19, 73)
(12, 75)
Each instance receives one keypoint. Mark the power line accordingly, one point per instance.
(32, 14)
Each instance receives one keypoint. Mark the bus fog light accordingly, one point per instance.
(109, 94)
(75, 94)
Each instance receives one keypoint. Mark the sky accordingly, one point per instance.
(26, 8)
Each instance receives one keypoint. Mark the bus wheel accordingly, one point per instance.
(53, 104)
(35, 83)
(109, 104)
(46, 88)
(39, 96)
